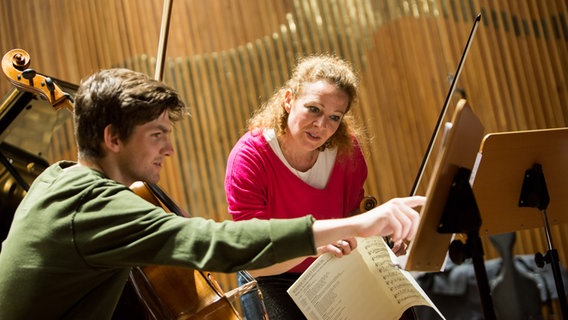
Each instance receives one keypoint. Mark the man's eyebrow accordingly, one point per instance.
(163, 128)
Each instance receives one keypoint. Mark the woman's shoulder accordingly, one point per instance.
(251, 147)
(251, 140)
(354, 153)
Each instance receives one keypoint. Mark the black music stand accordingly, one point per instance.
(509, 179)
(451, 206)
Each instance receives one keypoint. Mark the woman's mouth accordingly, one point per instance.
(312, 136)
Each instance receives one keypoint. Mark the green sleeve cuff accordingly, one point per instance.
(292, 237)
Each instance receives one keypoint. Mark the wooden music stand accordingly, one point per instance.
(427, 252)
(451, 207)
(498, 178)
(509, 179)
(458, 151)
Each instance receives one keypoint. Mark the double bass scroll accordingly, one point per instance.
(15, 65)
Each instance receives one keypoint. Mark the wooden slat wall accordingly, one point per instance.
(226, 57)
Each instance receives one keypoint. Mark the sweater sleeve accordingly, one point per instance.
(148, 235)
(246, 179)
(355, 192)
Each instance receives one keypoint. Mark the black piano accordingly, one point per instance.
(27, 124)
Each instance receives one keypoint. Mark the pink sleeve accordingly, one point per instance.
(245, 181)
(357, 171)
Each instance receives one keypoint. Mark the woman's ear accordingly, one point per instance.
(111, 139)
(288, 100)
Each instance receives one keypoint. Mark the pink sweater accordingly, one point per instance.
(259, 185)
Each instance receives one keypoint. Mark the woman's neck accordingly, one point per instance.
(301, 160)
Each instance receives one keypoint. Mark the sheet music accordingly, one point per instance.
(366, 284)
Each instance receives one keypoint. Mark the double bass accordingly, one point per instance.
(174, 292)
(169, 292)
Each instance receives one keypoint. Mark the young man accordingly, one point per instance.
(80, 228)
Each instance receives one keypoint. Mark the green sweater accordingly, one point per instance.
(76, 235)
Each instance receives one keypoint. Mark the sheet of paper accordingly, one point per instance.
(366, 284)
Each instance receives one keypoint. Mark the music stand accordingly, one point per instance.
(459, 151)
(427, 252)
(499, 172)
(509, 179)
(451, 207)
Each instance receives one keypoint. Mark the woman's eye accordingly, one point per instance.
(313, 109)
(335, 118)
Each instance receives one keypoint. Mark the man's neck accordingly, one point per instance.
(103, 167)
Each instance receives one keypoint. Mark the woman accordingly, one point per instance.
(301, 155)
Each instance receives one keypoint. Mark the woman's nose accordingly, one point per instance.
(320, 122)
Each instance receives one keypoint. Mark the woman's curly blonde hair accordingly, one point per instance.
(332, 69)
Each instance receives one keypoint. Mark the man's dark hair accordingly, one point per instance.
(124, 99)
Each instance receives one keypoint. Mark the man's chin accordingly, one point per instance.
(152, 180)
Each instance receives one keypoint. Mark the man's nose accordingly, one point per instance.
(169, 149)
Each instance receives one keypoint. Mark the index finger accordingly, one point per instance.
(414, 201)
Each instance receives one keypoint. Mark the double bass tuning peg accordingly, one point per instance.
(50, 84)
(29, 74)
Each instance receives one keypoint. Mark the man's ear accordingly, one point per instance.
(111, 139)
